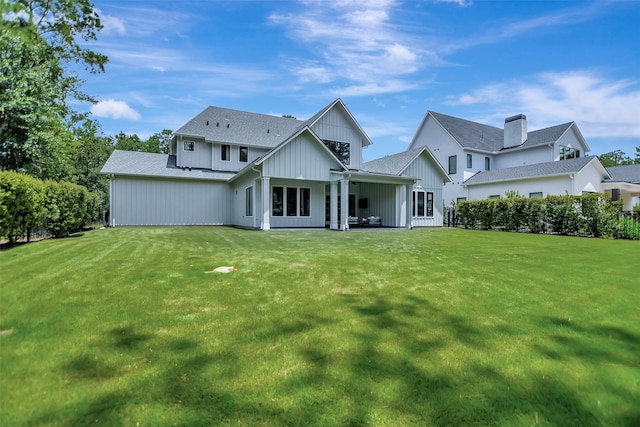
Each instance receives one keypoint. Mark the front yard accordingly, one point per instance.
(381, 327)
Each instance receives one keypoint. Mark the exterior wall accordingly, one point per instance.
(552, 185)
(382, 201)
(200, 157)
(336, 125)
(317, 211)
(569, 139)
(234, 164)
(442, 146)
(588, 180)
(302, 158)
(509, 159)
(238, 196)
(431, 181)
(147, 201)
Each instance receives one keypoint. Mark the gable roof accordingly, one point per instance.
(627, 173)
(239, 127)
(476, 136)
(134, 163)
(538, 170)
(395, 164)
(313, 119)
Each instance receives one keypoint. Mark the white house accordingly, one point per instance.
(485, 161)
(229, 167)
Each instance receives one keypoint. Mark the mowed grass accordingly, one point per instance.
(382, 327)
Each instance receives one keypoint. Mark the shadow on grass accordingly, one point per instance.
(389, 365)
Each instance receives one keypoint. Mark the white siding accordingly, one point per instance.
(431, 181)
(553, 185)
(200, 157)
(569, 139)
(143, 201)
(382, 201)
(316, 219)
(234, 163)
(336, 125)
(301, 158)
(239, 201)
(442, 146)
(509, 159)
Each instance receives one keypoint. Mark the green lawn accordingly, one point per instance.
(382, 327)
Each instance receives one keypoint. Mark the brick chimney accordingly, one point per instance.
(515, 130)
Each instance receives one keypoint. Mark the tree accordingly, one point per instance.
(38, 39)
(615, 158)
(637, 159)
(61, 24)
(92, 151)
(128, 142)
(158, 142)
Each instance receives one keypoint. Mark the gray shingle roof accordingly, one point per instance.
(562, 167)
(240, 127)
(393, 164)
(158, 165)
(628, 173)
(491, 139)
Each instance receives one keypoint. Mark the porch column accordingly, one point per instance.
(333, 201)
(408, 206)
(344, 204)
(257, 206)
(266, 202)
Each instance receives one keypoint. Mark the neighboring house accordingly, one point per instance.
(624, 184)
(229, 167)
(485, 161)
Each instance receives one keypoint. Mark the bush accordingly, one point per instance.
(21, 207)
(68, 207)
(590, 214)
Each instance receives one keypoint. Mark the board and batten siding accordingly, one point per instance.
(382, 201)
(301, 158)
(335, 125)
(200, 157)
(239, 197)
(151, 201)
(317, 208)
(431, 181)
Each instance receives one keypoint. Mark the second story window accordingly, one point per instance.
(487, 163)
(225, 152)
(568, 153)
(453, 164)
(244, 154)
(469, 161)
(342, 150)
(189, 146)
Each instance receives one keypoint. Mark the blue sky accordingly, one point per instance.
(390, 61)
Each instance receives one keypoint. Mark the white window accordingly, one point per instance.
(422, 203)
(189, 146)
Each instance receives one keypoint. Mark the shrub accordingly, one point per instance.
(20, 205)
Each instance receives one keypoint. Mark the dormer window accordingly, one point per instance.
(568, 153)
(342, 150)
(189, 146)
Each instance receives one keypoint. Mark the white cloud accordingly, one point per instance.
(113, 109)
(112, 25)
(601, 106)
(461, 3)
(361, 46)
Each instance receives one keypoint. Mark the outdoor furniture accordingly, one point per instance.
(374, 221)
(353, 220)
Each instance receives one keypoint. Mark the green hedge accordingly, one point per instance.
(588, 215)
(27, 203)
